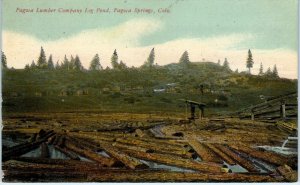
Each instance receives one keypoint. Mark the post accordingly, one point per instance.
(282, 109)
(252, 115)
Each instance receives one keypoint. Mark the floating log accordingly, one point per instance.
(32, 138)
(287, 172)
(128, 161)
(264, 155)
(176, 161)
(24, 147)
(69, 154)
(205, 153)
(105, 161)
(241, 161)
(44, 151)
(51, 139)
(225, 157)
(167, 176)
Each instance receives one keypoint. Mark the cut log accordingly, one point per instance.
(69, 154)
(105, 161)
(176, 161)
(204, 152)
(287, 172)
(225, 157)
(128, 161)
(264, 155)
(44, 151)
(25, 147)
(241, 161)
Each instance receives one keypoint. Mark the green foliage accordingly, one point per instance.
(275, 72)
(226, 65)
(184, 59)
(42, 63)
(151, 58)
(95, 63)
(3, 61)
(261, 70)
(77, 64)
(114, 60)
(250, 62)
(50, 63)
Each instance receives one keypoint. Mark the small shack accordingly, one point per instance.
(193, 105)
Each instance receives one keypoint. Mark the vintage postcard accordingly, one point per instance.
(149, 90)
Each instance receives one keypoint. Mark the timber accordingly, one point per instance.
(204, 152)
(223, 155)
(241, 161)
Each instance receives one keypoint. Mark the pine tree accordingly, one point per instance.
(226, 64)
(27, 67)
(57, 66)
(95, 63)
(249, 61)
(4, 61)
(261, 70)
(268, 73)
(184, 59)
(275, 72)
(122, 65)
(77, 64)
(219, 62)
(50, 63)
(114, 60)
(71, 64)
(151, 58)
(32, 65)
(65, 64)
(42, 63)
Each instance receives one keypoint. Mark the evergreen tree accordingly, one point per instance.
(32, 65)
(95, 63)
(65, 64)
(77, 64)
(184, 59)
(4, 61)
(268, 73)
(261, 70)
(151, 58)
(50, 63)
(57, 66)
(226, 64)
(122, 65)
(275, 72)
(71, 65)
(42, 63)
(249, 61)
(219, 62)
(114, 60)
(27, 67)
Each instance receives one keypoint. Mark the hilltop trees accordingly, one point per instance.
(151, 58)
(3, 60)
(50, 63)
(95, 63)
(275, 72)
(249, 62)
(77, 64)
(261, 70)
(42, 63)
(226, 64)
(114, 60)
(184, 59)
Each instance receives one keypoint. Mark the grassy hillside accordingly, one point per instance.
(157, 89)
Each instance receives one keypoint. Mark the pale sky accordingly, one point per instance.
(209, 29)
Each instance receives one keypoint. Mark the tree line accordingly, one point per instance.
(74, 63)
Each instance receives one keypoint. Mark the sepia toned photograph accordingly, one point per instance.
(149, 91)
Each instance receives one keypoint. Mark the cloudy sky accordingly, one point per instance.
(207, 29)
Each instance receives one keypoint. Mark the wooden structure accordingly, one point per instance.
(193, 105)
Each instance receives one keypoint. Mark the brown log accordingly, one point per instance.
(287, 172)
(44, 151)
(128, 161)
(204, 152)
(176, 161)
(225, 157)
(105, 161)
(241, 161)
(25, 147)
(264, 155)
(69, 154)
